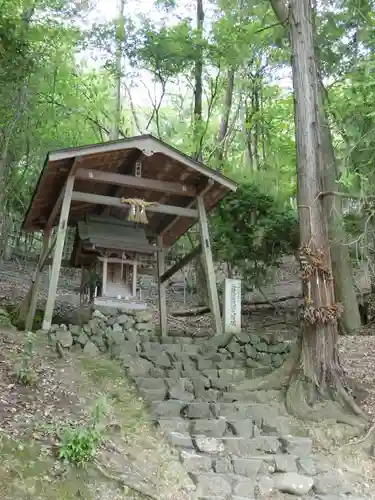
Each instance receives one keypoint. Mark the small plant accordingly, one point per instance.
(24, 370)
(79, 444)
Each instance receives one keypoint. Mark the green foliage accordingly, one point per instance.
(251, 232)
(24, 371)
(79, 444)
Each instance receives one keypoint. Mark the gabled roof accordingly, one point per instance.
(159, 162)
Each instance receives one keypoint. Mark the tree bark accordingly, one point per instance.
(198, 88)
(342, 269)
(224, 123)
(120, 28)
(317, 374)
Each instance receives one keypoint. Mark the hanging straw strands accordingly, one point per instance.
(137, 211)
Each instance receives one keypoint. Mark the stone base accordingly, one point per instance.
(124, 305)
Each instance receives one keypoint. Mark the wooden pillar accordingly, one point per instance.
(209, 267)
(104, 276)
(35, 286)
(134, 280)
(57, 255)
(161, 288)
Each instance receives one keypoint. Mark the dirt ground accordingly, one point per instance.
(132, 461)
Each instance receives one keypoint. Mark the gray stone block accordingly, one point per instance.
(198, 410)
(306, 466)
(151, 395)
(209, 395)
(227, 363)
(247, 467)
(179, 439)
(254, 339)
(209, 427)
(157, 372)
(292, 483)
(91, 350)
(261, 347)
(195, 463)
(244, 488)
(250, 351)
(174, 424)
(285, 463)
(139, 367)
(232, 375)
(223, 465)
(276, 425)
(212, 485)
(167, 408)
(249, 447)
(233, 347)
(298, 446)
(65, 338)
(210, 445)
(204, 363)
(264, 358)
(242, 428)
(178, 392)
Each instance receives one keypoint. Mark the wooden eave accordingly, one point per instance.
(160, 163)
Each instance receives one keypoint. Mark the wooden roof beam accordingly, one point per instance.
(56, 208)
(137, 182)
(174, 221)
(96, 199)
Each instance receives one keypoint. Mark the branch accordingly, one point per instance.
(322, 194)
(281, 10)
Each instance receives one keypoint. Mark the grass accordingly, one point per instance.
(93, 441)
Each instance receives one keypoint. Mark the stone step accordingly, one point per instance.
(251, 467)
(231, 445)
(199, 387)
(235, 411)
(220, 427)
(223, 486)
(243, 447)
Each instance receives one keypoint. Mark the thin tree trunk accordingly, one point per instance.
(198, 88)
(224, 123)
(120, 28)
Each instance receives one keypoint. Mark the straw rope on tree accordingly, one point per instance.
(137, 211)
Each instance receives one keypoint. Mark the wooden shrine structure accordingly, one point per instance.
(128, 199)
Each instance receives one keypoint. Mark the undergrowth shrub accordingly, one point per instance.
(24, 370)
(79, 444)
(251, 232)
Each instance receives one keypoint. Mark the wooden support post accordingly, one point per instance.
(104, 276)
(37, 278)
(134, 280)
(209, 267)
(161, 288)
(57, 255)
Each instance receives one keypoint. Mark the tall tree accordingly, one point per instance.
(341, 263)
(317, 374)
(120, 35)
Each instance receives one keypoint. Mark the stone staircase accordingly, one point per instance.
(235, 445)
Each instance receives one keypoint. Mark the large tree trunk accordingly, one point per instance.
(317, 375)
(342, 269)
(350, 320)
